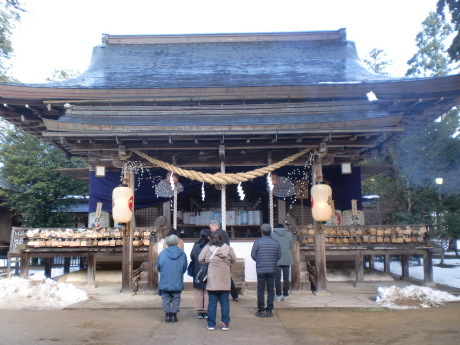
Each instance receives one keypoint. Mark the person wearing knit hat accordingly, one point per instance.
(172, 264)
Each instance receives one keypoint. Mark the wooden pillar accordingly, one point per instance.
(127, 258)
(404, 266)
(223, 192)
(48, 264)
(281, 212)
(166, 212)
(386, 264)
(25, 262)
(359, 266)
(371, 262)
(67, 265)
(320, 238)
(152, 267)
(91, 269)
(320, 258)
(295, 268)
(428, 267)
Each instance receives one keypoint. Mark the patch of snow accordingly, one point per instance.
(412, 296)
(449, 276)
(38, 294)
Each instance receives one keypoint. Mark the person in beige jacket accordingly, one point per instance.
(220, 257)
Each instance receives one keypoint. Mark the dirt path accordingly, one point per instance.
(327, 326)
(290, 326)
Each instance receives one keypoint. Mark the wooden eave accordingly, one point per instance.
(408, 105)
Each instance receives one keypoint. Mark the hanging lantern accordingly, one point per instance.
(122, 204)
(174, 177)
(321, 202)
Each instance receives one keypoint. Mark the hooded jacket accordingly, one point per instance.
(172, 264)
(286, 241)
(219, 266)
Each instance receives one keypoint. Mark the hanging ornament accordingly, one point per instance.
(283, 188)
(202, 192)
(240, 191)
(171, 181)
(269, 181)
(122, 204)
(163, 189)
(321, 202)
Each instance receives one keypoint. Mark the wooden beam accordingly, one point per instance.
(127, 256)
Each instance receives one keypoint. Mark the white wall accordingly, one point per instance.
(242, 250)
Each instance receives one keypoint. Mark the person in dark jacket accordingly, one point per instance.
(286, 241)
(214, 225)
(201, 294)
(172, 264)
(265, 252)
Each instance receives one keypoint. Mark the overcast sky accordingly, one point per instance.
(60, 34)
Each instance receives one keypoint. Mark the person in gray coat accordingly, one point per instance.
(265, 252)
(286, 241)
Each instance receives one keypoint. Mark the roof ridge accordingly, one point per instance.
(224, 37)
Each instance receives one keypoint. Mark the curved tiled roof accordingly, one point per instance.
(200, 61)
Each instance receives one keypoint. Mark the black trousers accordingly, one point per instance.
(233, 291)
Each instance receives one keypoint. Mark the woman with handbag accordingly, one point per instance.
(201, 295)
(220, 257)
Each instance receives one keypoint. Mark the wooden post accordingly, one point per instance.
(295, 268)
(127, 258)
(320, 238)
(405, 266)
(320, 258)
(359, 266)
(386, 264)
(48, 263)
(223, 196)
(371, 262)
(25, 262)
(281, 211)
(152, 267)
(166, 212)
(91, 269)
(428, 267)
(67, 265)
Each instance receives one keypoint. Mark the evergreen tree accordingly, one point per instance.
(431, 60)
(377, 61)
(37, 192)
(408, 192)
(62, 74)
(454, 9)
(10, 13)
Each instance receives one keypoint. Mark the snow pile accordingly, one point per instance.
(412, 296)
(18, 293)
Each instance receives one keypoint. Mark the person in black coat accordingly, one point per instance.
(266, 252)
(201, 294)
